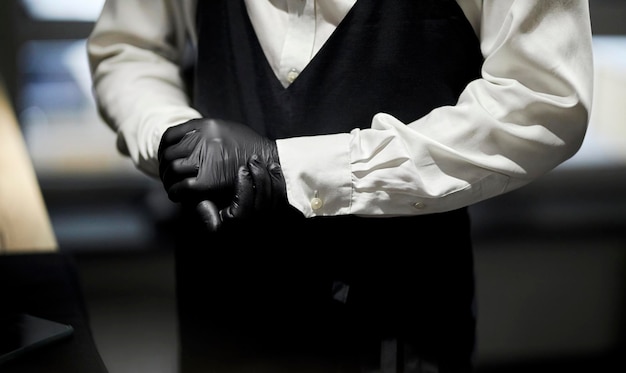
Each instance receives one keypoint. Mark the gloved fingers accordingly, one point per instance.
(177, 171)
(216, 177)
(240, 208)
(259, 189)
(193, 189)
(180, 149)
(215, 150)
(242, 205)
(183, 190)
(279, 186)
(201, 175)
(175, 134)
(188, 150)
(178, 162)
(184, 167)
(262, 185)
(210, 215)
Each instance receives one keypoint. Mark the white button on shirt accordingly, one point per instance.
(291, 32)
(316, 203)
(292, 75)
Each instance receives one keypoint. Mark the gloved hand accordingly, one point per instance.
(260, 192)
(199, 159)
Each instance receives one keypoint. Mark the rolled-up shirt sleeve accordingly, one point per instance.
(527, 114)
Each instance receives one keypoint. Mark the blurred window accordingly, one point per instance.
(605, 142)
(63, 131)
(63, 10)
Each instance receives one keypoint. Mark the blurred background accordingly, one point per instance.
(550, 258)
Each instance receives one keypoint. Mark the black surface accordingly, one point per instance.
(47, 286)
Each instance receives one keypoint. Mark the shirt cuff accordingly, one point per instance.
(317, 173)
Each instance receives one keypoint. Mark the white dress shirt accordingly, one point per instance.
(527, 114)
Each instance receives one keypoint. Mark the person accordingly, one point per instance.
(324, 154)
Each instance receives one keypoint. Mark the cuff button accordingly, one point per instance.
(316, 203)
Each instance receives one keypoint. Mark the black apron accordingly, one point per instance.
(346, 293)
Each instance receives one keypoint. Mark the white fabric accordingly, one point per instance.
(526, 115)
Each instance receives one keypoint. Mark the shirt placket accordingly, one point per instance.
(299, 42)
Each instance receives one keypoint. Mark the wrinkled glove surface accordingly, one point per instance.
(260, 193)
(199, 160)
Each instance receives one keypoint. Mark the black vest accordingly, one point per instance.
(408, 276)
(404, 58)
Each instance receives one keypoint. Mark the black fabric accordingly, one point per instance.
(241, 297)
(409, 279)
(47, 285)
(402, 57)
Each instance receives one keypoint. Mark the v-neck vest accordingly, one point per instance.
(403, 58)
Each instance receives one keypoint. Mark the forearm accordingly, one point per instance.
(135, 63)
(526, 115)
(141, 114)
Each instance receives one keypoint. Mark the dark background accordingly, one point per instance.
(550, 258)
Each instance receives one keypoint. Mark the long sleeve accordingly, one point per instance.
(135, 53)
(526, 114)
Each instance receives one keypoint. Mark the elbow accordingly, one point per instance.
(574, 128)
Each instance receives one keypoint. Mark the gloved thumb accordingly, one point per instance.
(209, 215)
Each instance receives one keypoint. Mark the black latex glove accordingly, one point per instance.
(260, 192)
(199, 159)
